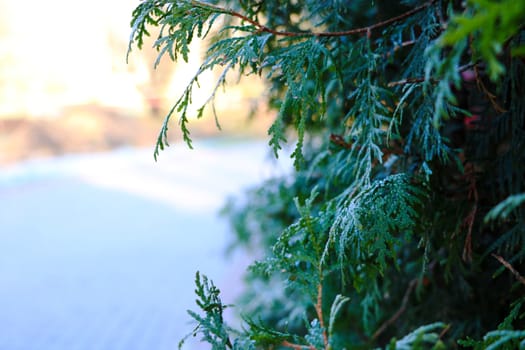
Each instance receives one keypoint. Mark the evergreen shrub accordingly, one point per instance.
(402, 226)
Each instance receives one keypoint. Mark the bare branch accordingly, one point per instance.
(263, 28)
(505, 263)
(399, 312)
(297, 346)
(319, 311)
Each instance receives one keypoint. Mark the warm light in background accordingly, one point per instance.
(56, 53)
(65, 85)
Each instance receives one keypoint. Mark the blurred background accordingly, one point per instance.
(99, 244)
(65, 85)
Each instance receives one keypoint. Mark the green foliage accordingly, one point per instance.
(488, 25)
(210, 325)
(408, 119)
(374, 222)
(505, 208)
(421, 338)
(218, 334)
(505, 337)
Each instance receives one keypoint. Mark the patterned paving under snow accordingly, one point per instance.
(100, 251)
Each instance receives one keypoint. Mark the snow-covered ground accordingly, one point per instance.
(100, 251)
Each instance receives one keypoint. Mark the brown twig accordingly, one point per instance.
(296, 346)
(422, 79)
(406, 81)
(469, 220)
(340, 141)
(263, 28)
(399, 47)
(399, 312)
(444, 331)
(439, 15)
(491, 97)
(505, 263)
(319, 311)
(467, 247)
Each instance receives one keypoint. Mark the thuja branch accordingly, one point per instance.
(265, 29)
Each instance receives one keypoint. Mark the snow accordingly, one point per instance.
(100, 251)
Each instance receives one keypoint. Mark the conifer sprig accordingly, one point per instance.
(211, 325)
(301, 61)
